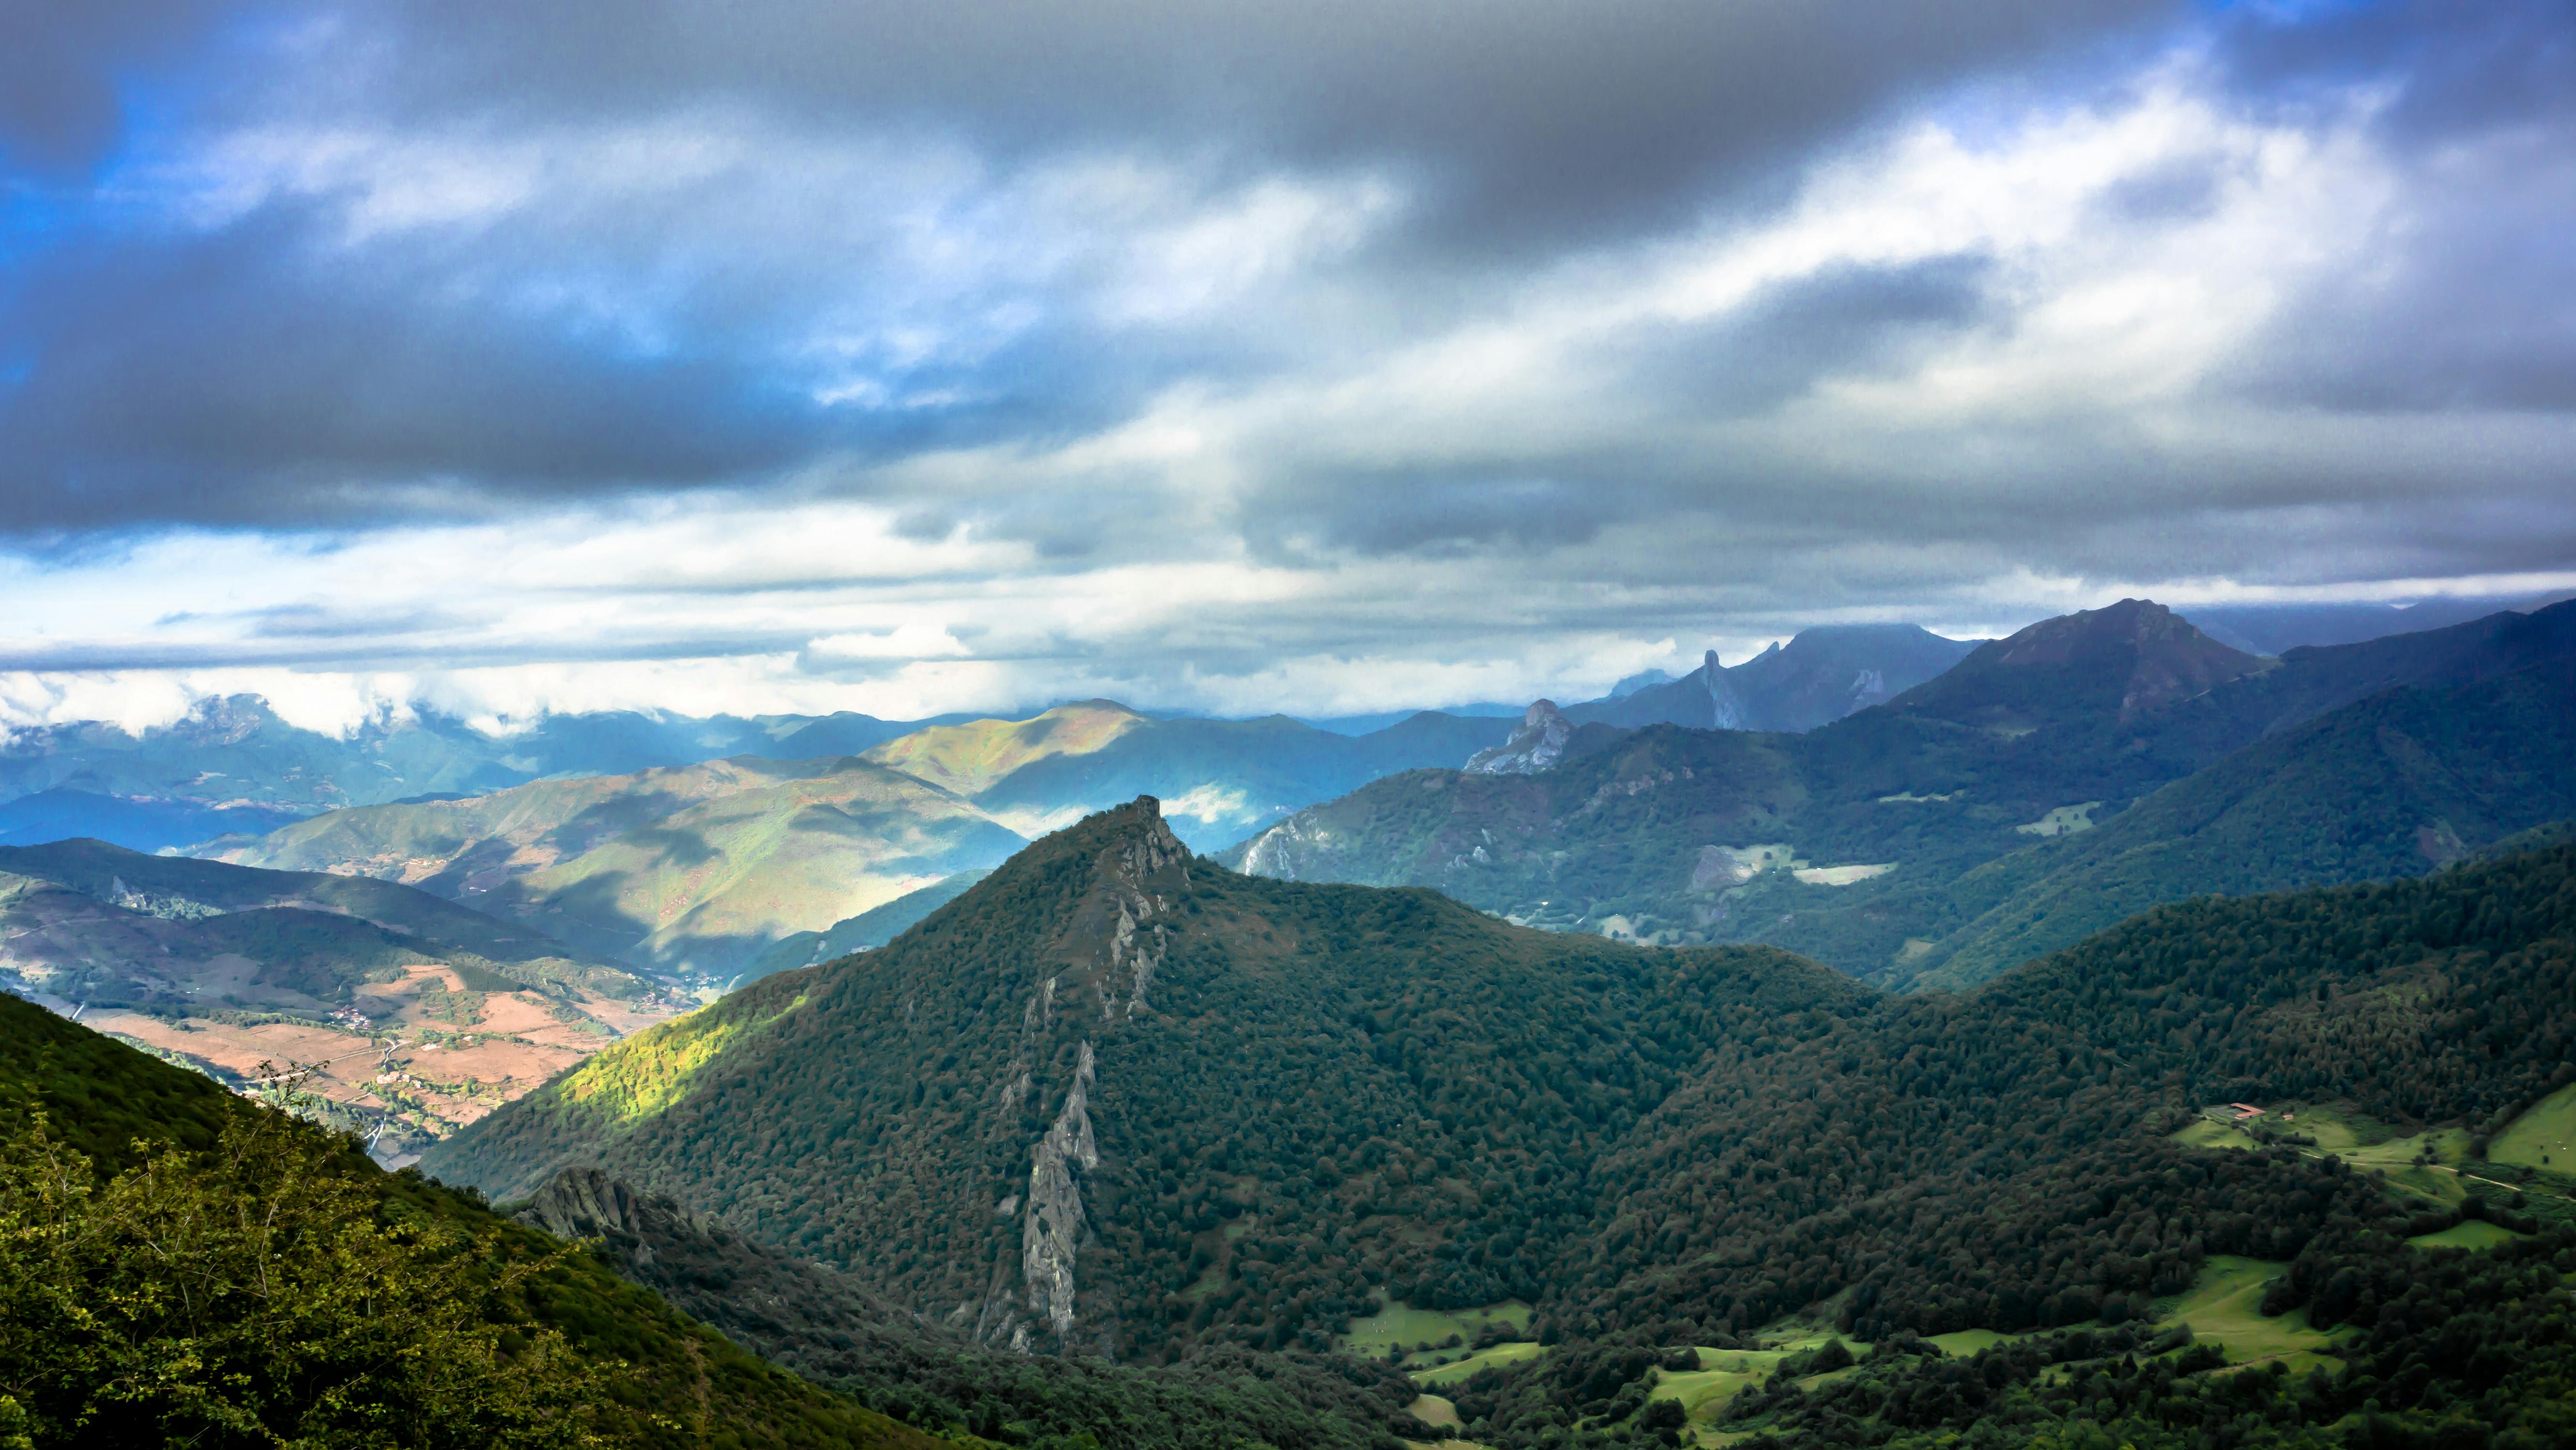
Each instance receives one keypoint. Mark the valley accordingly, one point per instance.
(1958, 1060)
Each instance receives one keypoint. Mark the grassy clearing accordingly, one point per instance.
(1841, 875)
(2225, 1308)
(1425, 1334)
(2470, 1234)
(2208, 1133)
(1964, 1343)
(1703, 1393)
(2544, 1137)
(1433, 1410)
(1443, 1376)
(2063, 821)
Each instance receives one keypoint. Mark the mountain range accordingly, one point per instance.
(1873, 842)
(1114, 1100)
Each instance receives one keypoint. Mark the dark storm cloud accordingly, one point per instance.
(1839, 321)
(62, 66)
(237, 380)
(2470, 301)
(1528, 123)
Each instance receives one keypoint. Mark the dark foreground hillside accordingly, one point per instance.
(178, 1266)
(1117, 1100)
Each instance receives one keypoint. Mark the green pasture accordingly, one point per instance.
(2543, 1137)
(1965, 1343)
(2467, 1234)
(2225, 1308)
(2208, 1133)
(1441, 1376)
(1401, 1326)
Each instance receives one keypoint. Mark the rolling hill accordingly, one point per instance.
(1855, 842)
(688, 871)
(1118, 1101)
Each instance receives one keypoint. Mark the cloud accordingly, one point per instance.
(1331, 357)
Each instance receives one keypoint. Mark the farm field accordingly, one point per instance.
(442, 1058)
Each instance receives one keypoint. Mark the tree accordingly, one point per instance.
(259, 1295)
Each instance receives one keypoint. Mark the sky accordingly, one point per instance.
(798, 355)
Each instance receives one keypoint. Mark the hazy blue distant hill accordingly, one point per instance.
(2276, 628)
(232, 766)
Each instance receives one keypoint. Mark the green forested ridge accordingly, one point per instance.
(1332, 1091)
(1321, 1090)
(2392, 786)
(1939, 783)
(253, 1277)
(819, 1323)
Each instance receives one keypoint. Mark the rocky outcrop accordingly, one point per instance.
(1052, 1232)
(1537, 745)
(1726, 707)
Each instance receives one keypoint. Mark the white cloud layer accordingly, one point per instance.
(732, 403)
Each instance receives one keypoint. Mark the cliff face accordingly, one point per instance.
(1006, 1015)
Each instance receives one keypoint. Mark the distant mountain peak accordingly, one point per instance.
(2152, 656)
(1537, 745)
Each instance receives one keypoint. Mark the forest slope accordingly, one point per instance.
(136, 1367)
(1115, 1100)
(2396, 785)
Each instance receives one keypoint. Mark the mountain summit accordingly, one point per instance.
(1117, 1101)
(2125, 660)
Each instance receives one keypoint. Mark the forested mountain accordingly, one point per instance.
(1854, 843)
(1114, 1099)
(421, 1013)
(1819, 676)
(1212, 1070)
(821, 1324)
(694, 870)
(246, 1279)
(2394, 786)
(1220, 777)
